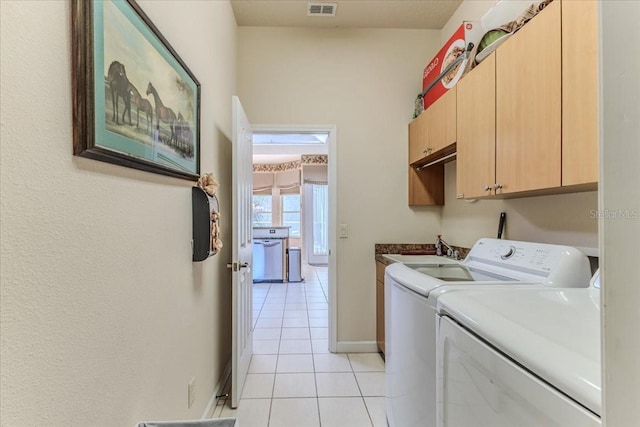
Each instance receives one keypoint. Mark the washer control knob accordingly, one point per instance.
(508, 252)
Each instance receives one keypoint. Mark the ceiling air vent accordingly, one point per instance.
(321, 9)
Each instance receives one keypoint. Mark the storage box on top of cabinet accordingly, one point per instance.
(467, 32)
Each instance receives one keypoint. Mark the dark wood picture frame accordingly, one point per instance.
(170, 142)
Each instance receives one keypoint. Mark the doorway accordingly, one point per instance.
(295, 186)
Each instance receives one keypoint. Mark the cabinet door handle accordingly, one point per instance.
(497, 186)
(487, 188)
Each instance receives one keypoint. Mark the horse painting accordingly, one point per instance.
(163, 113)
(184, 135)
(142, 104)
(119, 84)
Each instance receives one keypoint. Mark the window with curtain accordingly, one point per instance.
(291, 213)
(262, 210)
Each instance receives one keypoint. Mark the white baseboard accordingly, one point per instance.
(213, 402)
(356, 347)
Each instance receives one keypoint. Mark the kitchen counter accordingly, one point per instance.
(401, 248)
(261, 233)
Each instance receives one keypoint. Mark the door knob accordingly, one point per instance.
(235, 266)
(487, 188)
(497, 186)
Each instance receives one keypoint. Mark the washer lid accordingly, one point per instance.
(421, 278)
(411, 279)
(553, 333)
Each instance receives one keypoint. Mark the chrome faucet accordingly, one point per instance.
(451, 253)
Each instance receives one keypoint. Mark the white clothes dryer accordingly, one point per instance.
(519, 357)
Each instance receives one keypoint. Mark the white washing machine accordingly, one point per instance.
(519, 357)
(411, 294)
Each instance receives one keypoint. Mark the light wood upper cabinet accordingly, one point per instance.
(526, 118)
(528, 106)
(434, 129)
(418, 138)
(441, 119)
(476, 123)
(579, 92)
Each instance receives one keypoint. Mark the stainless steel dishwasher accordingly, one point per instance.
(269, 254)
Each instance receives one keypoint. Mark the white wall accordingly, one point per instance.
(561, 219)
(568, 219)
(364, 82)
(620, 171)
(104, 318)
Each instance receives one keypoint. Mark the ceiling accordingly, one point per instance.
(416, 14)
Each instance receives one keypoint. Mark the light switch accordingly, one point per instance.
(344, 231)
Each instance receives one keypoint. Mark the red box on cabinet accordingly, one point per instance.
(468, 32)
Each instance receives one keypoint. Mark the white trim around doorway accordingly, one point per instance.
(333, 211)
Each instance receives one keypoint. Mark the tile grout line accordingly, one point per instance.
(364, 402)
(275, 374)
(313, 360)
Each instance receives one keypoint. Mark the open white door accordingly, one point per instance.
(241, 264)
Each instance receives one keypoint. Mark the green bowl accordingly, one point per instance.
(491, 37)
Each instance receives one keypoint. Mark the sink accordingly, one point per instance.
(456, 272)
(420, 259)
(448, 273)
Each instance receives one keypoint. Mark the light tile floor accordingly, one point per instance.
(293, 379)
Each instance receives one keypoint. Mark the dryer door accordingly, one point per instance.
(477, 386)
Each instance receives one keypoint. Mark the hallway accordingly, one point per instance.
(293, 380)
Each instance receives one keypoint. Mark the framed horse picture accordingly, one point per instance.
(136, 103)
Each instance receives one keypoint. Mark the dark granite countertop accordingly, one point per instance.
(410, 249)
(383, 260)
